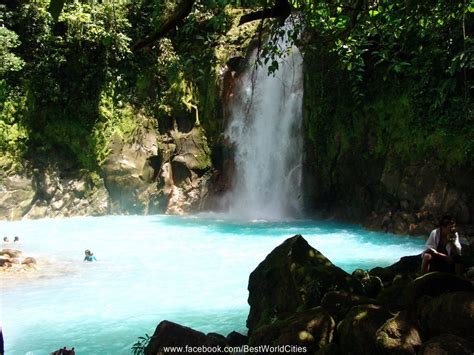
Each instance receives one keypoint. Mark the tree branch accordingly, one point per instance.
(281, 10)
(182, 11)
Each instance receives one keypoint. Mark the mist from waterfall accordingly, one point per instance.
(265, 131)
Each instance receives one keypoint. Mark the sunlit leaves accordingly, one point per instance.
(8, 60)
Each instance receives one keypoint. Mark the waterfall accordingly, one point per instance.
(265, 131)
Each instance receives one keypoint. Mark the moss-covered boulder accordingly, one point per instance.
(357, 330)
(365, 284)
(398, 335)
(338, 303)
(391, 295)
(293, 277)
(172, 334)
(312, 329)
(192, 149)
(407, 266)
(449, 313)
(432, 284)
(447, 344)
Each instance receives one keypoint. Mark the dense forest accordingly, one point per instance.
(388, 84)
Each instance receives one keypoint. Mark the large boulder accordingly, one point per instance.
(236, 339)
(338, 303)
(449, 313)
(357, 330)
(447, 344)
(169, 334)
(407, 266)
(365, 284)
(398, 335)
(312, 329)
(293, 277)
(432, 284)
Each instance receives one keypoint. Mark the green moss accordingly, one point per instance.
(114, 121)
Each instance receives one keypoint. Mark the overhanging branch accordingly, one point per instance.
(182, 11)
(281, 10)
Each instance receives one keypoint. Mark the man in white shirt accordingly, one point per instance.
(443, 249)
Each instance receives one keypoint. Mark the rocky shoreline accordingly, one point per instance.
(12, 260)
(301, 302)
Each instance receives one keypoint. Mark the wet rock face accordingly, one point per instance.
(47, 193)
(144, 174)
(428, 195)
(294, 276)
(129, 170)
(405, 200)
(16, 196)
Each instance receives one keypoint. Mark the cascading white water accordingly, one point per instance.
(265, 130)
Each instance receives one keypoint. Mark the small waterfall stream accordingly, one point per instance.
(265, 130)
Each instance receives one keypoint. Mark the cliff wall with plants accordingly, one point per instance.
(389, 115)
(112, 104)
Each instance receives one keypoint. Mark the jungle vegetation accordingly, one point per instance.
(74, 72)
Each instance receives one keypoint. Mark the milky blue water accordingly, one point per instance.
(190, 270)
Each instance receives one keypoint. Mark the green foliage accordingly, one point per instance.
(119, 122)
(390, 84)
(139, 347)
(397, 72)
(13, 134)
(8, 60)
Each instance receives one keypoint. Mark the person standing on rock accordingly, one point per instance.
(443, 249)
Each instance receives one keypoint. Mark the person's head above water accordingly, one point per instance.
(5, 239)
(87, 252)
(16, 239)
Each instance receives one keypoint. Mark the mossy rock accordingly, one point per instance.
(398, 335)
(172, 334)
(338, 303)
(312, 329)
(357, 330)
(293, 277)
(447, 344)
(432, 284)
(407, 266)
(451, 313)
